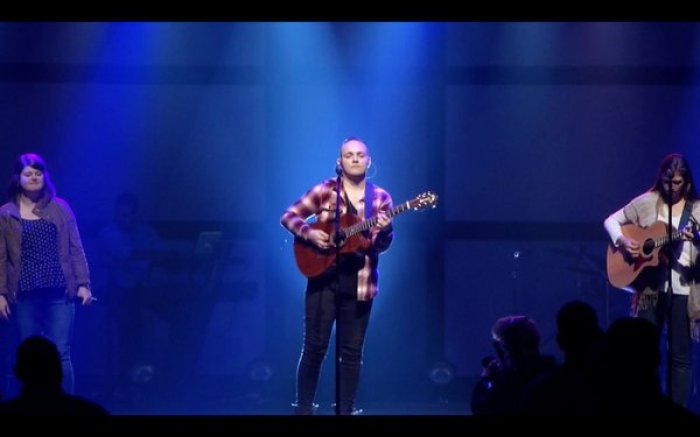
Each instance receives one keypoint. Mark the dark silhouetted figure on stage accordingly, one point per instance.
(128, 247)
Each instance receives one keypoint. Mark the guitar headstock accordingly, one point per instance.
(423, 201)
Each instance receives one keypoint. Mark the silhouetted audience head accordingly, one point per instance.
(633, 348)
(38, 367)
(577, 328)
(631, 384)
(502, 385)
(515, 337)
(38, 362)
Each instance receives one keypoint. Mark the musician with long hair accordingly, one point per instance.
(674, 185)
(352, 280)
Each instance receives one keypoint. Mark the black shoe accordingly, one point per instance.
(304, 410)
(353, 412)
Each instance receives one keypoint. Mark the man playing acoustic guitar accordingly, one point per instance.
(640, 238)
(355, 281)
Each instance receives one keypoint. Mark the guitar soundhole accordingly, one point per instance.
(648, 247)
(341, 239)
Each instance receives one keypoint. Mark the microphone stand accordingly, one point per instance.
(337, 238)
(669, 299)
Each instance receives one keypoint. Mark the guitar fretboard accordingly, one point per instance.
(675, 236)
(364, 225)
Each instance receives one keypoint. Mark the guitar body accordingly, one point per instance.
(313, 261)
(623, 270)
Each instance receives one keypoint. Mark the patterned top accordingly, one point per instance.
(40, 265)
(320, 202)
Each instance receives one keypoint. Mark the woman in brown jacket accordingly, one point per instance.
(43, 269)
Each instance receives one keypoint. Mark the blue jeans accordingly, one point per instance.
(320, 314)
(51, 315)
(681, 348)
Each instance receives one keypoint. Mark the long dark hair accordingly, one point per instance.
(36, 162)
(672, 164)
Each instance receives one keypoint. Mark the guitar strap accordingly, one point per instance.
(369, 199)
(369, 203)
(685, 215)
(684, 220)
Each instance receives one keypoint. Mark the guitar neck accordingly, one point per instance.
(366, 224)
(675, 236)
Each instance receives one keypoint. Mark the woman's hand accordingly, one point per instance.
(4, 307)
(320, 239)
(85, 295)
(630, 245)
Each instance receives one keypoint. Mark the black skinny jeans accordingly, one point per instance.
(320, 314)
(681, 352)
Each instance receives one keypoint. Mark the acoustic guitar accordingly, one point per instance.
(622, 268)
(313, 261)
